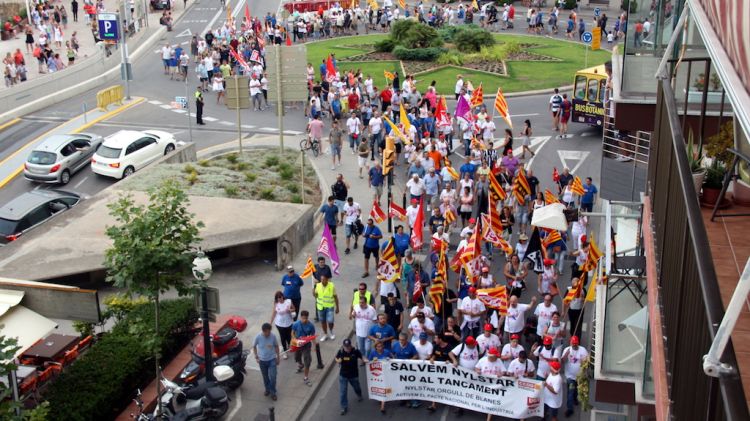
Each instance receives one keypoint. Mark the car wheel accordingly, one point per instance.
(168, 149)
(128, 172)
(65, 177)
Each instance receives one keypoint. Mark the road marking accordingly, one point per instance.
(238, 400)
(10, 123)
(248, 126)
(444, 416)
(292, 132)
(565, 156)
(213, 20)
(539, 149)
(185, 33)
(179, 111)
(226, 123)
(78, 184)
(155, 102)
(211, 119)
(269, 129)
(166, 106)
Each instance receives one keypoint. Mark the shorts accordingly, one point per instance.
(548, 410)
(362, 161)
(377, 190)
(370, 251)
(339, 203)
(303, 356)
(587, 207)
(332, 228)
(336, 150)
(398, 147)
(165, 61)
(349, 230)
(555, 113)
(326, 315)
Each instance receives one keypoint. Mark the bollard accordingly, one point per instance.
(272, 414)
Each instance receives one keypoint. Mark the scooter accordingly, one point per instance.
(207, 401)
(236, 360)
(141, 416)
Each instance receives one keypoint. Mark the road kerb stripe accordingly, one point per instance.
(10, 123)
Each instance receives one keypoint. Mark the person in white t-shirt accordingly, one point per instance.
(545, 354)
(488, 339)
(354, 127)
(423, 346)
(352, 211)
(472, 309)
(511, 350)
(572, 357)
(364, 317)
(283, 317)
(521, 366)
(490, 365)
(416, 187)
(419, 325)
(421, 308)
(552, 394)
(515, 319)
(465, 354)
(544, 312)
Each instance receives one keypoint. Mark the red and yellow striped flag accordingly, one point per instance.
(477, 97)
(501, 106)
(496, 187)
(449, 216)
(473, 248)
(437, 289)
(575, 291)
(521, 187)
(388, 265)
(592, 259)
(591, 292)
(477, 144)
(309, 269)
(402, 4)
(495, 298)
(388, 75)
(577, 187)
(550, 198)
(552, 237)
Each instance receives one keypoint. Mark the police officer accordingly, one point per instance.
(199, 106)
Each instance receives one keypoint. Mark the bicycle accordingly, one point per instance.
(310, 144)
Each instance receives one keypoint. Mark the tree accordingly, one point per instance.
(9, 409)
(152, 250)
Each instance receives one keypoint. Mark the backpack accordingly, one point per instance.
(463, 344)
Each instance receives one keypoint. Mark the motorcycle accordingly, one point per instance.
(207, 401)
(141, 416)
(195, 370)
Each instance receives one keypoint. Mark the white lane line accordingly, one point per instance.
(211, 119)
(519, 115)
(226, 123)
(248, 126)
(211, 23)
(536, 152)
(179, 111)
(155, 102)
(166, 106)
(238, 403)
(78, 184)
(269, 129)
(292, 132)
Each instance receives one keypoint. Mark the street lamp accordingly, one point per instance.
(202, 271)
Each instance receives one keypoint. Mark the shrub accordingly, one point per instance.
(421, 54)
(296, 198)
(267, 194)
(103, 380)
(451, 58)
(272, 160)
(411, 34)
(385, 45)
(472, 40)
(292, 187)
(192, 178)
(188, 169)
(250, 177)
(232, 158)
(231, 190)
(511, 48)
(204, 163)
(447, 33)
(240, 166)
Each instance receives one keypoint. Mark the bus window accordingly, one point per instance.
(593, 90)
(580, 87)
(602, 89)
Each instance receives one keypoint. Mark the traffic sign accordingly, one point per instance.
(596, 42)
(587, 37)
(597, 12)
(108, 26)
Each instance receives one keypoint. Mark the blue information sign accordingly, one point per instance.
(587, 37)
(597, 12)
(108, 26)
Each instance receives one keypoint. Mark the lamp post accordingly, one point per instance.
(202, 272)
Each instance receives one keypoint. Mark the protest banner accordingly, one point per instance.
(440, 382)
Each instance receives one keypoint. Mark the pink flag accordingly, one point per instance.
(247, 14)
(327, 247)
(463, 109)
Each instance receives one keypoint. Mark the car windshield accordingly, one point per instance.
(42, 158)
(7, 227)
(107, 152)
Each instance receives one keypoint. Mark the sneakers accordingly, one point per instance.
(355, 246)
(323, 338)
(347, 251)
(307, 382)
(331, 336)
(286, 357)
(343, 411)
(359, 398)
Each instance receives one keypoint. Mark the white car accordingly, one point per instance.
(127, 151)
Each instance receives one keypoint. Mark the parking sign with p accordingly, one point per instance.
(108, 26)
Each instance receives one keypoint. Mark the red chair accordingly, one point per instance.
(85, 343)
(46, 375)
(28, 385)
(70, 356)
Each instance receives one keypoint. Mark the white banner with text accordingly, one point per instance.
(393, 380)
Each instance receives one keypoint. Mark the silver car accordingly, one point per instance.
(58, 157)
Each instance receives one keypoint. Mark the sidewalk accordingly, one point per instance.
(83, 30)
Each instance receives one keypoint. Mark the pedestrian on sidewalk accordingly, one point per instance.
(372, 236)
(266, 349)
(74, 10)
(292, 284)
(348, 373)
(282, 316)
(327, 303)
(300, 329)
(199, 106)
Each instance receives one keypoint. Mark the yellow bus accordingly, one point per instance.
(589, 90)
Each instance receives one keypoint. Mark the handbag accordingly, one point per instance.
(359, 228)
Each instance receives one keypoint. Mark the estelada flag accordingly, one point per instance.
(550, 198)
(477, 97)
(376, 213)
(396, 211)
(490, 235)
(501, 106)
(473, 248)
(495, 298)
(521, 187)
(577, 186)
(309, 269)
(496, 187)
(441, 269)
(552, 237)
(388, 75)
(592, 259)
(416, 234)
(388, 265)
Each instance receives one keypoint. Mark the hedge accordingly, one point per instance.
(472, 40)
(385, 45)
(421, 54)
(101, 383)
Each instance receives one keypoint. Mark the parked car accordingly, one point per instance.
(31, 209)
(127, 151)
(58, 157)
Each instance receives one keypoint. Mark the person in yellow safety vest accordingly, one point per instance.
(326, 302)
(360, 292)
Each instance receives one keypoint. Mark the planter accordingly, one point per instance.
(711, 196)
(741, 193)
(5, 35)
(698, 181)
(712, 97)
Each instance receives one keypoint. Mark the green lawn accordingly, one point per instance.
(522, 76)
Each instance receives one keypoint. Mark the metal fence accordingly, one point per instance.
(691, 303)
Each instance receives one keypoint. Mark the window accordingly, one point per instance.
(146, 141)
(69, 201)
(593, 90)
(580, 86)
(132, 148)
(9, 227)
(602, 90)
(42, 158)
(81, 143)
(38, 215)
(68, 149)
(108, 152)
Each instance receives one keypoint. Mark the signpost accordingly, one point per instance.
(109, 29)
(587, 37)
(289, 79)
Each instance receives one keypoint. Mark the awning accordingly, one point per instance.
(8, 299)
(26, 326)
(550, 216)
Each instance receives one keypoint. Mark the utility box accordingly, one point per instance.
(236, 94)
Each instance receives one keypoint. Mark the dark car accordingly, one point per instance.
(31, 209)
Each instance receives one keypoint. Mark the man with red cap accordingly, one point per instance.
(488, 339)
(472, 309)
(412, 212)
(547, 278)
(490, 365)
(465, 354)
(552, 393)
(512, 350)
(469, 229)
(573, 356)
(546, 354)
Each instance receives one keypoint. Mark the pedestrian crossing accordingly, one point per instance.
(210, 119)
